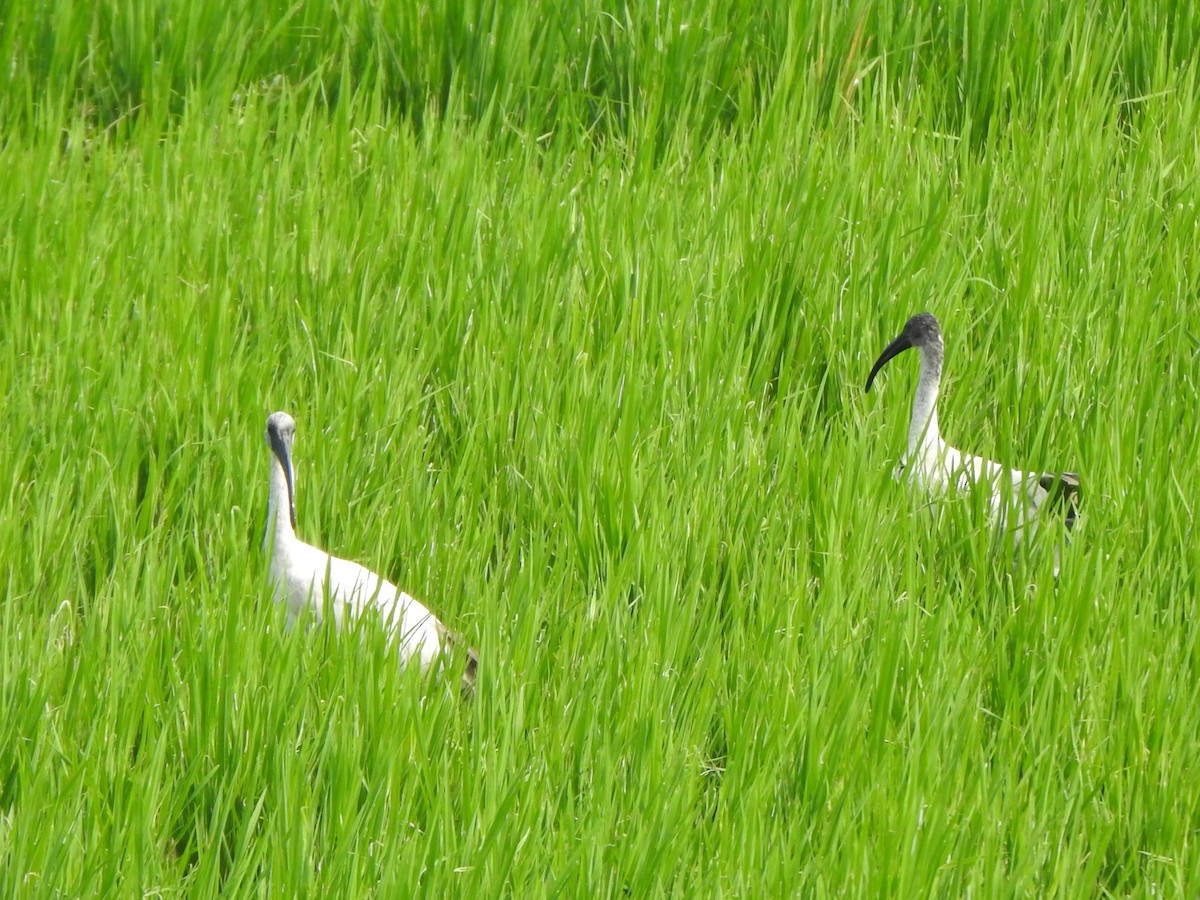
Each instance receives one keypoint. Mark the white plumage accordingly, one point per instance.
(302, 575)
(935, 468)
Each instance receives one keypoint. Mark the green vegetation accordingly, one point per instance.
(573, 304)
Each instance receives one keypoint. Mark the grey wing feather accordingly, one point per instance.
(1062, 492)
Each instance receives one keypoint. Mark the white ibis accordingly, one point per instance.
(936, 468)
(302, 575)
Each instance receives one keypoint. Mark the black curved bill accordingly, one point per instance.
(280, 449)
(895, 348)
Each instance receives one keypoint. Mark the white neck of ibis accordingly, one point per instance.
(279, 508)
(923, 430)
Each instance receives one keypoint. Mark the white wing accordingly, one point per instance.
(306, 575)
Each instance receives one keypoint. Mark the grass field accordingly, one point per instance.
(573, 305)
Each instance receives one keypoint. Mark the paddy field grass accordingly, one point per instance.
(573, 305)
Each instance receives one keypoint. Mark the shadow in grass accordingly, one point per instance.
(712, 772)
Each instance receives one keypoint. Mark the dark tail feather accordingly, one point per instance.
(1062, 493)
(468, 679)
(449, 641)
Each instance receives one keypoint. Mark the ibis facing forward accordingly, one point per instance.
(303, 575)
(935, 468)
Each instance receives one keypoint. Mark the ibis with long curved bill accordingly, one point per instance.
(302, 575)
(935, 468)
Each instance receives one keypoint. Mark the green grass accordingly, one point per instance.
(573, 307)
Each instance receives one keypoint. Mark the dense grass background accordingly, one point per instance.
(573, 304)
